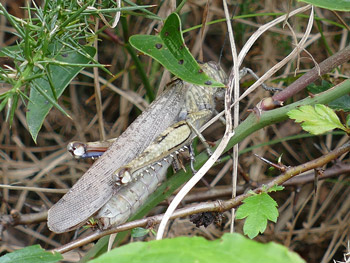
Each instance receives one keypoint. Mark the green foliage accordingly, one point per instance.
(257, 209)
(169, 49)
(53, 46)
(139, 232)
(338, 5)
(316, 120)
(341, 103)
(275, 188)
(315, 89)
(233, 248)
(42, 98)
(32, 254)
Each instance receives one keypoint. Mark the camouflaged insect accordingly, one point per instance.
(165, 127)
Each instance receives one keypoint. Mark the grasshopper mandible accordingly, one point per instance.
(169, 123)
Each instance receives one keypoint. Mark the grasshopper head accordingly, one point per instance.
(213, 70)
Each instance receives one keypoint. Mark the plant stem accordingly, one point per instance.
(324, 67)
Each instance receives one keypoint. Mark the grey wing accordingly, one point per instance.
(96, 186)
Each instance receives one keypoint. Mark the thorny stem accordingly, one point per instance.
(215, 206)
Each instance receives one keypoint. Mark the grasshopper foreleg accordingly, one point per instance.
(245, 71)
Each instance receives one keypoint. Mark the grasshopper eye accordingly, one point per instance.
(122, 176)
(126, 177)
(76, 149)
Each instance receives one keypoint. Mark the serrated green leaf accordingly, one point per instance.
(231, 248)
(316, 120)
(32, 254)
(257, 210)
(339, 5)
(41, 96)
(169, 49)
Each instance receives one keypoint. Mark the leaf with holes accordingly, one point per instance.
(316, 119)
(257, 209)
(169, 49)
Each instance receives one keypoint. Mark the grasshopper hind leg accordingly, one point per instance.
(192, 158)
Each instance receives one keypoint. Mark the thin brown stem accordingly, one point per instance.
(324, 67)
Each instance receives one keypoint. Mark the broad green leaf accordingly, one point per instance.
(316, 120)
(339, 5)
(257, 209)
(169, 49)
(32, 254)
(41, 96)
(231, 248)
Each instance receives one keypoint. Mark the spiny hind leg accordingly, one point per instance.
(168, 142)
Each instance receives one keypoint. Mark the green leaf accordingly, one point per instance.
(275, 188)
(315, 89)
(342, 103)
(32, 254)
(169, 49)
(41, 96)
(139, 232)
(11, 51)
(257, 209)
(347, 120)
(339, 5)
(231, 248)
(316, 120)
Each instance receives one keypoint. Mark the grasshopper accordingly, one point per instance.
(167, 125)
